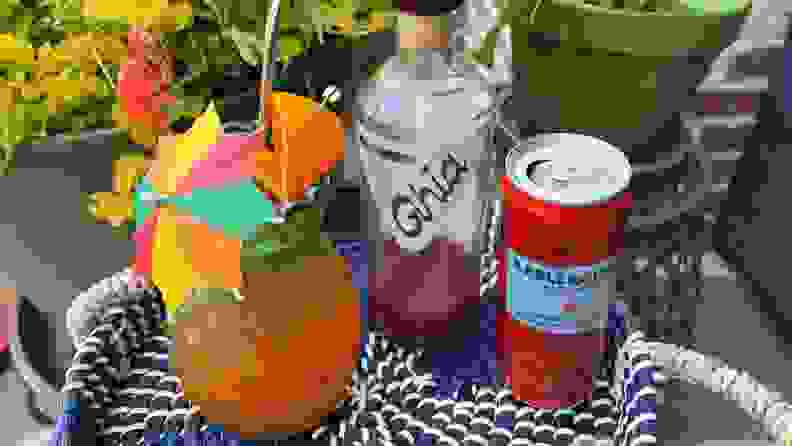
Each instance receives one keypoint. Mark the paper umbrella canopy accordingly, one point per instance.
(200, 201)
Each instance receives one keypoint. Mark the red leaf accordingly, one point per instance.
(143, 91)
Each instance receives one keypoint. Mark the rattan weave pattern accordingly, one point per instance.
(123, 393)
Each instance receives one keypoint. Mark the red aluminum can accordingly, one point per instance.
(564, 215)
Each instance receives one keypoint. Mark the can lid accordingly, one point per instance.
(569, 169)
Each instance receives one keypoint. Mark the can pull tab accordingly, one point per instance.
(544, 174)
(562, 180)
(540, 172)
(572, 175)
(530, 171)
(594, 175)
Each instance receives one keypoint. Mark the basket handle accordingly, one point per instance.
(763, 405)
(736, 442)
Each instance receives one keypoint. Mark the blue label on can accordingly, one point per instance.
(557, 300)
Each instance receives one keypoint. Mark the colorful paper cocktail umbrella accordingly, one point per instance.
(200, 200)
(196, 206)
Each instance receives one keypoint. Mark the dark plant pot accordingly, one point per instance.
(607, 73)
(53, 250)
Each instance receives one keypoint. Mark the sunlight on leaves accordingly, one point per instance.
(14, 51)
(146, 13)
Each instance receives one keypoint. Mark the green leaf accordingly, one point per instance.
(6, 159)
(380, 5)
(186, 106)
(67, 9)
(8, 8)
(38, 116)
(71, 72)
(277, 246)
(184, 22)
(486, 54)
(14, 128)
(323, 15)
(250, 48)
(290, 46)
(23, 25)
(252, 11)
(347, 7)
(223, 11)
(212, 4)
(105, 89)
(303, 14)
(286, 18)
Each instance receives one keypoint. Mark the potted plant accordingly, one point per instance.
(49, 81)
(641, 61)
(53, 41)
(95, 48)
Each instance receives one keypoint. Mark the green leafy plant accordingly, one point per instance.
(49, 78)
(207, 35)
(60, 62)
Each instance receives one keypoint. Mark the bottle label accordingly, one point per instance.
(418, 207)
(422, 141)
(558, 300)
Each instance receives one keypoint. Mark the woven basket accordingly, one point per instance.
(120, 391)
